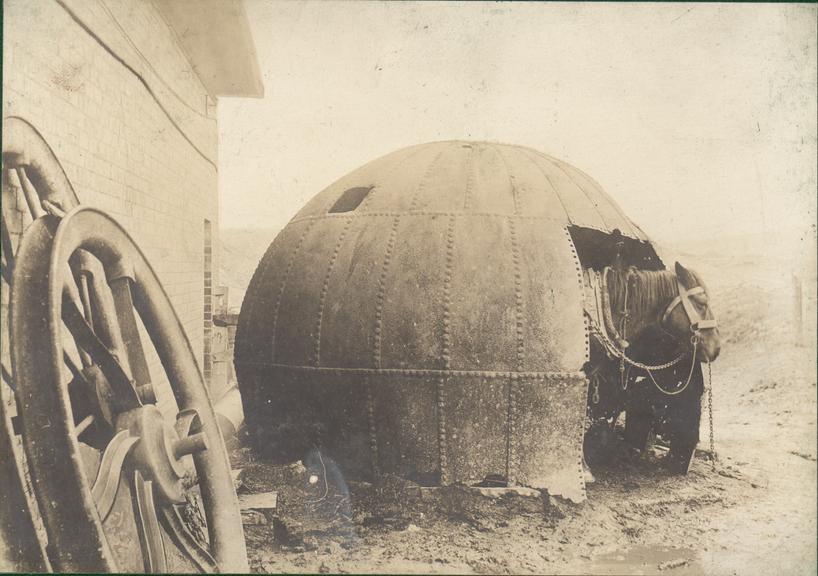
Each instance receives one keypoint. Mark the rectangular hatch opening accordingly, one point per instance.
(350, 199)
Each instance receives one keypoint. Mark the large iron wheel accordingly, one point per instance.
(30, 166)
(112, 472)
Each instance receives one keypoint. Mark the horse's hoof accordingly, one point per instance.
(679, 461)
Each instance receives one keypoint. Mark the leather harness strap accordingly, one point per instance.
(697, 323)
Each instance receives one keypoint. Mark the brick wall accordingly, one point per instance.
(110, 89)
(207, 360)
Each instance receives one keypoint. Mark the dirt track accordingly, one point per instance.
(754, 513)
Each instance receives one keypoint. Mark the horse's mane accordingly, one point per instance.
(647, 290)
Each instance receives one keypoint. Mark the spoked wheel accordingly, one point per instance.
(114, 475)
(33, 178)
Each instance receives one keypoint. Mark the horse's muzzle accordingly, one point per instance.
(708, 352)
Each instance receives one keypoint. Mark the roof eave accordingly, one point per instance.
(215, 35)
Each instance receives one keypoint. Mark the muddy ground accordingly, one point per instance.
(753, 512)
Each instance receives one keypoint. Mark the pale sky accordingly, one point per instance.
(699, 119)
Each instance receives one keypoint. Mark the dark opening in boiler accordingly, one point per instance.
(597, 249)
(351, 199)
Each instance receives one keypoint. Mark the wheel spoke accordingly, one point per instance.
(72, 366)
(100, 301)
(150, 535)
(110, 471)
(85, 298)
(124, 393)
(71, 293)
(7, 266)
(30, 194)
(123, 301)
(83, 425)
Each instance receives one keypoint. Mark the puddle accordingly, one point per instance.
(647, 560)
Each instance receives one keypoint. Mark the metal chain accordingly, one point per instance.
(611, 347)
(689, 375)
(710, 413)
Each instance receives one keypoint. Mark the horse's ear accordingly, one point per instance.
(684, 275)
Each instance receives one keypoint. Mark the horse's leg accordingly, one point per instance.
(639, 425)
(682, 423)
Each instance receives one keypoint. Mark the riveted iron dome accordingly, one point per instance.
(423, 316)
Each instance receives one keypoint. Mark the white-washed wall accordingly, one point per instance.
(110, 89)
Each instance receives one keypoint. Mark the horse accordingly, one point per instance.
(646, 360)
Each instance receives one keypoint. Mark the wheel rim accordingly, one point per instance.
(109, 403)
(43, 186)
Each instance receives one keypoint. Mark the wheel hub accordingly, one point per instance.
(159, 454)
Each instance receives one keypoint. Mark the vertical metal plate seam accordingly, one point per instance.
(324, 288)
(586, 331)
(634, 228)
(525, 153)
(559, 166)
(581, 284)
(511, 431)
(511, 465)
(389, 172)
(284, 280)
(379, 298)
(373, 431)
(511, 179)
(445, 350)
(423, 181)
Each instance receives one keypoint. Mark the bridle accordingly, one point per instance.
(697, 323)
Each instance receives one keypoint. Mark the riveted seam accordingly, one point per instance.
(324, 289)
(379, 298)
(284, 281)
(445, 351)
(425, 372)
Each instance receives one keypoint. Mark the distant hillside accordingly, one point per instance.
(765, 247)
(240, 251)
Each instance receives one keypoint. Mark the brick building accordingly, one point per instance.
(126, 93)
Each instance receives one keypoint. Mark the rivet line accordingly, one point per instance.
(324, 289)
(379, 298)
(424, 179)
(445, 352)
(373, 436)
(284, 281)
(423, 372)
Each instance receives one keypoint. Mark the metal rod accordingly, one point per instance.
(83, 425)
(32, 198)
(86, 299)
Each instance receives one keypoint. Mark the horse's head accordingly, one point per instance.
(689, 318)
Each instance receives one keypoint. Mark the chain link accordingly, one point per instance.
(611, 347)
(710, 413)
